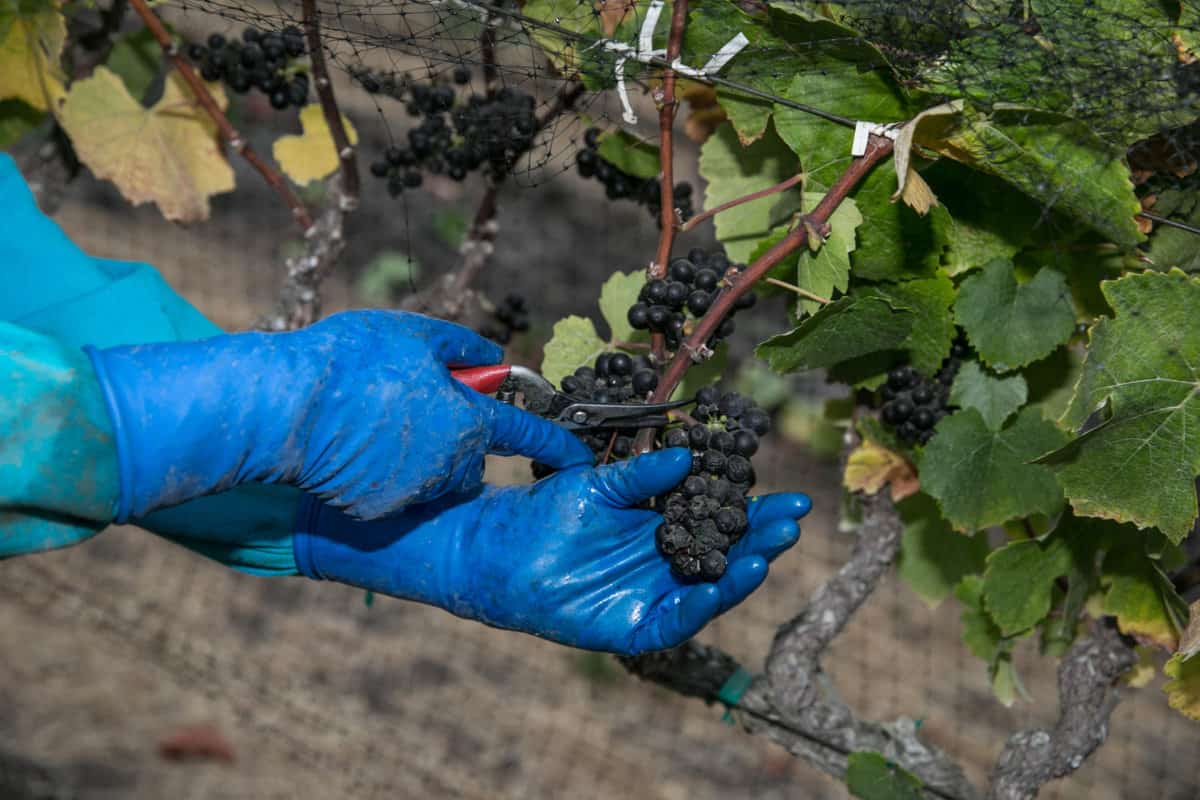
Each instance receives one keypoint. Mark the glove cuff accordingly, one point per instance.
(308, 516)
(124, 463)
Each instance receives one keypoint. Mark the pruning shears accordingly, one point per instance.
(540, 397)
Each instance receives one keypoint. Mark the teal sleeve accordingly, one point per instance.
(55, 289)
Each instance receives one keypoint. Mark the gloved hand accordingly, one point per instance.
(359, 409)
(568, 558)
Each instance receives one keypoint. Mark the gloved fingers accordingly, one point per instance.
(517, 432)
(742, 576)
(677, 617)
(630, 482)
(770, 507)
(767, 540)
(454, 344)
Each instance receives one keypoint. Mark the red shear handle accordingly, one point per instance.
(485, 380)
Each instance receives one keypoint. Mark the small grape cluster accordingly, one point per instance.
(459, 136)
(914, 403)
(691, 285)
(619, 184)
(511, 316)
(614, 378)
(259, 60)
(706, 515)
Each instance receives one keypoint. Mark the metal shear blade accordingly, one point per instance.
(601, 416)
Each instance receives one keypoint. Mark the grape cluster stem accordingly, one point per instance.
(230, 134)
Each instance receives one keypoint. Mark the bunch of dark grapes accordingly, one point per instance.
(619, 184)
(706, 514)
(691, 285)
(457, 136)
(259, 60)
(914, 403)
(511, 316)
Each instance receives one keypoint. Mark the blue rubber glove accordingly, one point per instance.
(359, 409)
(569, 558)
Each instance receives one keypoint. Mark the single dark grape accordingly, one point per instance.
(644, 382)
(695, 486)
(706, 279)
(621, 364)
(745, 443)
(216, 41)
(379, 169)
(738, 469)
(676, 437)
(683, 270)
(656, 291)
(639, 316)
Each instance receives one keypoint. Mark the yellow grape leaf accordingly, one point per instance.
(31, 43)
(312, 155)
(872, 466)
(167, 154)
(1144, 671)
(612, 13)
(1183, 690)
(1189, 642)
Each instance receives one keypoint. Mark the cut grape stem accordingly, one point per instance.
(737, 201)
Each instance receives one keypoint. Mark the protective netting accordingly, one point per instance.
(1124, 72)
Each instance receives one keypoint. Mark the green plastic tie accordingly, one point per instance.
(730, 693)
(369, 598)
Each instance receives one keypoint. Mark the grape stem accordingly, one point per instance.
(224, 126)
(783, 186)
(666, 156)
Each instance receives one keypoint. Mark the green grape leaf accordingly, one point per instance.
(844, 329)
(981, 634)
(928, 343)
(136, 58)
(578, 55)
(573, 343)
(1012, 325)
(617, 294)
(828, 268)
(1183, 690)
(1052, 380)
(996, 399)
(1141, 596)
(987, 218)
(1019, 582)
(981, 477)
(933, 557)
(985, 641)
(870, 776)
(894, 242)
(1142, 372)
(630, 154)
(17, 119)
(1054, 160)
(733, 171)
